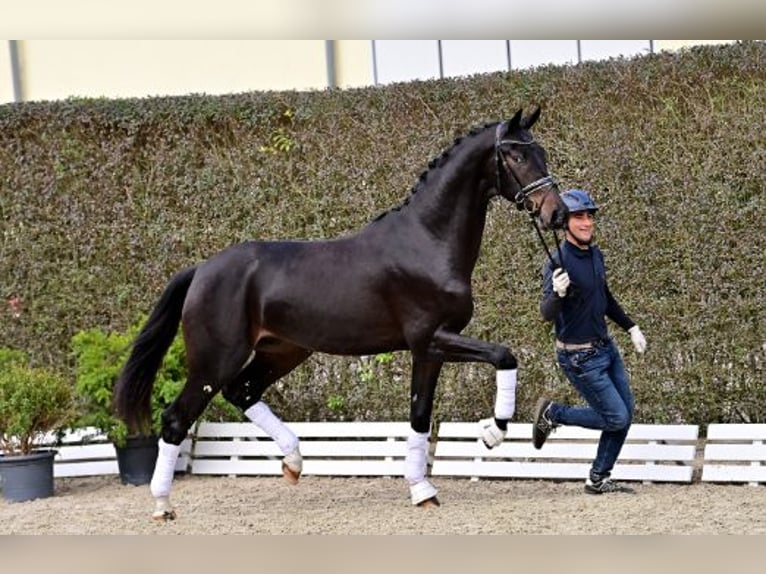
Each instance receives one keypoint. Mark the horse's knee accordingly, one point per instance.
(503, 359)
(242, 395)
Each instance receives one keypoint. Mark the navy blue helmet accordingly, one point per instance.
(578, 200)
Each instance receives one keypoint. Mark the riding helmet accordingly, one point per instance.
(578, 200)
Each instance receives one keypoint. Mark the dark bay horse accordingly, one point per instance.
(256, 310)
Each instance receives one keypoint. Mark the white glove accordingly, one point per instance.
(560, 282)
(490, 433)
(639, 341)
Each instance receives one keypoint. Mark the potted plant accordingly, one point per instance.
(99, 357)
(35, 404)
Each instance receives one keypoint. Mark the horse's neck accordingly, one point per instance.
(452, 205)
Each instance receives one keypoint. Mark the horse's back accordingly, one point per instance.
(327, 296)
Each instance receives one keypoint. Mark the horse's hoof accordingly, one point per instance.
(164, 516)
(290, 475)
(432, 502)
(423, 493)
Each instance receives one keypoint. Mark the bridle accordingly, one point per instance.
(523, 193)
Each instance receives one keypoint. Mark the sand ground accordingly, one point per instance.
(330, 505)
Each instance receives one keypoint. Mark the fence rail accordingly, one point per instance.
(728, 453)
(652, 453)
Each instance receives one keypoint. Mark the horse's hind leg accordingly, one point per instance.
(211, 366)
(246, 390)
(422, 390)
(176, 421)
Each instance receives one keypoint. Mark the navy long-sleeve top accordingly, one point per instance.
(580, 316)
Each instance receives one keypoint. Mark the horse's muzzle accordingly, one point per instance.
(557, 219)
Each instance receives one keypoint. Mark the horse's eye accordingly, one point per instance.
(518, 158)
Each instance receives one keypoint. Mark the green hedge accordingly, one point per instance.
(103, 200)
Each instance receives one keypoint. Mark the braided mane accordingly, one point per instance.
(436, 164)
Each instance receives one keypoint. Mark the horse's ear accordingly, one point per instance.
(530, 120)
(514, 122)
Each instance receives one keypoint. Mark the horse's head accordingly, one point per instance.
(522, 172)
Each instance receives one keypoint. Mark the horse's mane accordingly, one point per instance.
(435, 164)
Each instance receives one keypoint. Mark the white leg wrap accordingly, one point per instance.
(164, 469)
(416, 460)
(261, 415)
(505, 399)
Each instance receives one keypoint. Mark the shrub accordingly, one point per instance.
(33, 403)
(99, 357)
(10, 357)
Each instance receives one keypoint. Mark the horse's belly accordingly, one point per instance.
(348, 329)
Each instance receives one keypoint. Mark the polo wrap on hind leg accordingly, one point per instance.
(164, 469)
(262, 416)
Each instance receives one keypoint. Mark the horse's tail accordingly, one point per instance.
(133, 390)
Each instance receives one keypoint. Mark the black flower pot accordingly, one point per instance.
(27, 476)
(136, 460)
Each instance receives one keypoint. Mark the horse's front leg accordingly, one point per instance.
(453, 347)
(422, 390)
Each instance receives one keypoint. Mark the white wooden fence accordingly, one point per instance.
(87, 452)
(733, 453)
(663, 453)
(328, 448)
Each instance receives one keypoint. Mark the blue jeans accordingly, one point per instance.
(599, 376)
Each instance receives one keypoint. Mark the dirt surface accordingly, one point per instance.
(325, 505)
